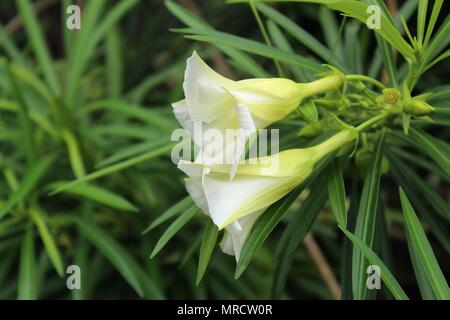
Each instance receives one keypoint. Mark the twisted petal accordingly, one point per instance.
(206, 98)
(229, 200)
(234, 238)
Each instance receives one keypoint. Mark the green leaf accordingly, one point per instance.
(98, 194)
(432, 197)
(331, 31)
(173, 229)
(206, 249)
(24, 120)
(26, 287)
(225, 39)
(80, 53)
(28, 183)
(389, 62)
(439, 41)
(422, 280)
(358, 10)
(386, 276)
(432, 22)
(116, 167)
(169, 213)
(421, 19)
(309, 110)
(49, 242)
(243, 60)
(352, 46)
(37, 41)
(336, 193)
(130, 151)
(281, 42)
(114, 66)
(436, 226)
(31, 80)
(301, 35)
(419, 160)
(297, 229)
(114, 252)
(270, 219)
(420, 244)
(388, 31)
(262, 228)
(73, 149)
(440, 58)
(436, 149)
(366, 220)
(155, 78)
(186, 16)
(147, 116)
(10, 47)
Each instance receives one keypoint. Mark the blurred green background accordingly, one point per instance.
(99, 100)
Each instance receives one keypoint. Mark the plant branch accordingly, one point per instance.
(372, 121)
(323, 266)
(359, 77)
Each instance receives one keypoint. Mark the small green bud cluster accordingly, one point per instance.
(393, 101)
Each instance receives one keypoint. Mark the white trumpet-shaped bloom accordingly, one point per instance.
(220, 103)
(235, 204)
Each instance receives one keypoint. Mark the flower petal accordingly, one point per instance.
(247, 128)
(203, 87)
(231, 200)
(233, 240)
(184, 118)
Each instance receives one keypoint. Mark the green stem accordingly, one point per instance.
(359, 77)
(372, 121)
(326, 84)
(265, 35)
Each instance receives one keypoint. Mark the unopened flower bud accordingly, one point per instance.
(311, 130)
(418, 108)
(391, 96)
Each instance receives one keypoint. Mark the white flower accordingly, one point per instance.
(235, 204)
(220, 103)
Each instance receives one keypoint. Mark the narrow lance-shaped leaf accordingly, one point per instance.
(27, 184)
(116, 167)
(263, 227)
(386, 275)
(173, 229)
(37, 41)
(421, 19)
(114, 252)
(366, 220)
(436, 149)
(77, 56)
(433, 18)
(99, 195)
(421, 276)
(421, 246)
(27, 289)
(436, 226)
(309, 110)
(358, 10)
(336, 193)
(221, 38)
(301, 35)
(49, 242)
(169, 213)
(206, 249)
(432, 197)
(297, 229)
